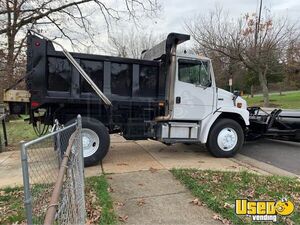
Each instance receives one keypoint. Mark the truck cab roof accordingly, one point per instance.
(192, 56)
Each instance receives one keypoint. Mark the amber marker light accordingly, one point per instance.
(161, 104)
(239, 105)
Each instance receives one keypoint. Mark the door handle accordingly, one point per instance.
(178, 100)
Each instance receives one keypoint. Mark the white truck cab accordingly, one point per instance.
(198, 111)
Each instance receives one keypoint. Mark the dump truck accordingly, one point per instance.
(167, 96)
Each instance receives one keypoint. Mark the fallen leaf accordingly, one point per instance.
(120, 204)
(233, 167)
(153, 170)
(123, 218)
(141, 202)
(288, 221)
(226, 221)
(219, 217)
(110, 189)
(216, 179)
(196, 202)
(216, 217)
(93, 210)
(122, 164)
(92, 196)
(227, 206)
(250, 193)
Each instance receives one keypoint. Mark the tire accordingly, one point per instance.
(225, 138)
(95, 140)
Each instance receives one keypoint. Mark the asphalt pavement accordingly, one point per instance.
(282, 154)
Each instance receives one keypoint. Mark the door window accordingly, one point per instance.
(194, 72)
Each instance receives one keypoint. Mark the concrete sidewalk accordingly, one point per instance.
(155, 197)
(144, 191)
(129, 156)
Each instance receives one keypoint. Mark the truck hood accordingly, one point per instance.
(226, 99)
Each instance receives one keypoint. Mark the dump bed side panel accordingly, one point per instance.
(135, 87)
(52, 75)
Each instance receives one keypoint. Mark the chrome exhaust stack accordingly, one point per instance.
(166, 51)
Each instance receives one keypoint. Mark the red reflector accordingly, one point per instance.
(37, 44)
(35, 104)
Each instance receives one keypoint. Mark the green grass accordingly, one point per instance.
(19, 130)
(285, 101)
(100, 186)
(217, 189)
(99, 205)
(11, 205)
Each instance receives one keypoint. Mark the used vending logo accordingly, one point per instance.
(264, 210)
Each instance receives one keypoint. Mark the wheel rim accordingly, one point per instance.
(90, 142)
(227, 139)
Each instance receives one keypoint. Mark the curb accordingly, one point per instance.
(242, 160)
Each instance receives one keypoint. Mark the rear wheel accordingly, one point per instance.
(95, 140)
(226, 137)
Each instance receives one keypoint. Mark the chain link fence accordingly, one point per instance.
(53, 177)
(3, 135)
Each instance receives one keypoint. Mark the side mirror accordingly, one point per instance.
(237, 93)
(209, 83)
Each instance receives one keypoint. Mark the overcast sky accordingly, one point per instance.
(175, 12)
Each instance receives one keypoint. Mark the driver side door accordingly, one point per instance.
(194, 91)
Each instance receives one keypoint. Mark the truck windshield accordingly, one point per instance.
(194, 72)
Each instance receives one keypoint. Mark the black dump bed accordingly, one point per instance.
(53, 78)
(135, 87)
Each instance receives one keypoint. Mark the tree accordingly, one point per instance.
(131, 44)
(73, 19)
(292, 63)
(252, 40)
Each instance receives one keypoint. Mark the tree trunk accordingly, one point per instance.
(280, 89)
(9, 65)
(265, 89)
(252, 91)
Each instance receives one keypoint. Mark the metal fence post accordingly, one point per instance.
(81, 157)
(4, 132)
(27, 194)
(1, 143)
(79, 125)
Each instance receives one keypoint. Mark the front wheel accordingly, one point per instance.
(225, 138)
(95, 140)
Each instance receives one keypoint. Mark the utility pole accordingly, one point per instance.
(257, 25)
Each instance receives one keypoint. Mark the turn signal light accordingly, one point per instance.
(161, 104)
